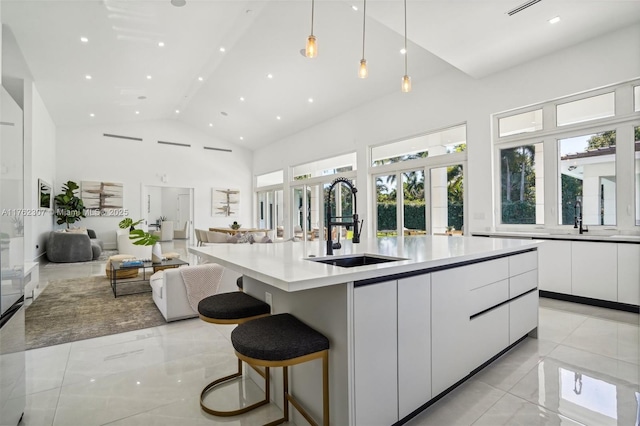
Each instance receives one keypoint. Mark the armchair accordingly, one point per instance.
(182, 233)
(170, 294)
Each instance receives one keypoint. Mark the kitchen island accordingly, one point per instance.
(402, 332)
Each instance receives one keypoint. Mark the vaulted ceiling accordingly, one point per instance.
(148, 59)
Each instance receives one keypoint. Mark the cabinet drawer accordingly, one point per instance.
(490, 295)
(523, 315)
(474, 276)
(524, 262)
(523, 283)
(489, 334)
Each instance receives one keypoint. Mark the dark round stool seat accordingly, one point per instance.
(232, 306)
(239, 283)
(277, 338)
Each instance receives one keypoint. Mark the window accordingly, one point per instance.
(447, 200)
(387, 216)
(586, 109)
(521, 184)
(588, 176)
(267, 179)
(442, 142)
(413, 205)
(270, 210)
(521, 123)
(326, 167)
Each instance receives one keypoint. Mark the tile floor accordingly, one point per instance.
(582, 370)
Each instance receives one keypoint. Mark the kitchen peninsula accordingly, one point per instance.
(402, 332)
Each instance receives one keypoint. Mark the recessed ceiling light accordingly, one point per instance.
(148, 77)
(241, 138)
(137, 112)
(222, 49)
(177, 111)
(278, 117)
(161, 44)
(241, 98)
(84, 39)
(210, 124)
(88, 77)
(554, 20)
(269, 75)
(403, 51)
(354, 7)
(200, 79)
(92, 115)
(310, 100)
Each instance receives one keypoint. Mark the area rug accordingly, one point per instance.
(106, 254)
(83, 308)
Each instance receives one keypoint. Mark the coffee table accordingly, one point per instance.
(118, 266)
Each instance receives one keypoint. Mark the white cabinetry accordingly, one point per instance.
(392, 335)
(414, 343)
(594, 270)
(376, 354)
(555, 266)
(629, 273)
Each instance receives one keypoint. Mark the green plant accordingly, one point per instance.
(141, 238)
(235, 225)
(69, 208)
(127, 222)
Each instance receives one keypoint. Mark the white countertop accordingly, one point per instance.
(284, 265)
(572, 235)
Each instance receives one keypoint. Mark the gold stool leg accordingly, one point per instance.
(210, 387)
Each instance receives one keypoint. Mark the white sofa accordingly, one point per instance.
(170, 294)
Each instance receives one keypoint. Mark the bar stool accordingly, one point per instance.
(233, 308)
(282, 340)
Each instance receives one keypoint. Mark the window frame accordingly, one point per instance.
(622, 122)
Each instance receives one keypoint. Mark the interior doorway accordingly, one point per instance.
(169, 203)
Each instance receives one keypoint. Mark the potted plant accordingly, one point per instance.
(127, 222)
(235, 225)
(69, 208)
(140, 237)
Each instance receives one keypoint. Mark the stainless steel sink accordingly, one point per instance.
(355, 260)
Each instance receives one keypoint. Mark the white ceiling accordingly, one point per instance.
(266, 36)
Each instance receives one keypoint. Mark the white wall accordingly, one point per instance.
(453, 98)
(85, 154)
(40, 163)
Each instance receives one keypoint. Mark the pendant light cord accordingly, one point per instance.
(312, 9)
(364, 23)
(406, 52)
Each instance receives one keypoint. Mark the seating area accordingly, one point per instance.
(73, 245)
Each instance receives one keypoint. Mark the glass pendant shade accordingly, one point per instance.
(406, 84)
(311, 50)
(362, 71)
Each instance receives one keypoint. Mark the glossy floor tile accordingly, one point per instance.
(582, 370)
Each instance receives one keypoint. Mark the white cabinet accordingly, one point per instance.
(376, 354)
(555, 266)
(523, 315)
(414, 343)
(449, 329)
(594, 270)
(629, 273)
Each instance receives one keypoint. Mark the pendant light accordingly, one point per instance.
(362, 71)
(311, 50)
(406, 80)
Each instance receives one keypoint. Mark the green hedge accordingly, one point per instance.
(518, 212)
(414, 216)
